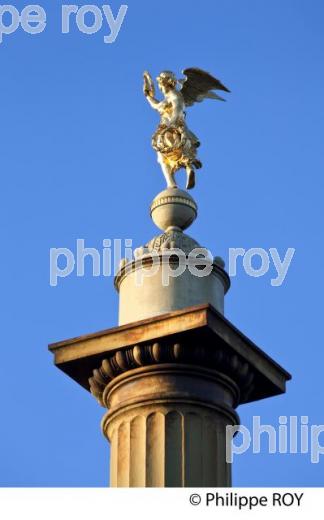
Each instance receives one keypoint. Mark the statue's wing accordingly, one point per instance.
(199, 85)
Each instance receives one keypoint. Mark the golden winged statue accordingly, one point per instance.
(175, 144)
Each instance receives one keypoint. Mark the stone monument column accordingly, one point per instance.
(167, 424)
(172, 373)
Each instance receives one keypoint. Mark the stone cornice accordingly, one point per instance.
(194, 328)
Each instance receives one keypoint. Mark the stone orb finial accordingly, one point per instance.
(173, 208)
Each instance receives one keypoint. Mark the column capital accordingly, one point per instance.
(173, 356)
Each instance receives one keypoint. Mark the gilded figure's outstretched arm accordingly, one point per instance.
(155, 103)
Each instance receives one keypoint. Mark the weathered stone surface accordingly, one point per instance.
(203, 334)
(171, 385)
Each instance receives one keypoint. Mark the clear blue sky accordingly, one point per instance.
(76, 163)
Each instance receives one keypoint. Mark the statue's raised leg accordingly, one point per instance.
(191, 177)
(168, 174)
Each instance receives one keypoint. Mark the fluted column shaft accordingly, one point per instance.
(167, 426)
